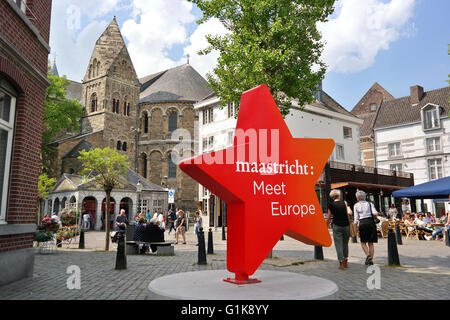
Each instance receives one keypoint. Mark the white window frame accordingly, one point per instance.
(399, 149)
(434, 144)
(373, 104)
(395, 166)
(337, 153)
(348, 137)
(208, 115)
(9, 127)
(436, 121)
(435, 168)
(230, 138)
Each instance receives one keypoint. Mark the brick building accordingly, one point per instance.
(367, 109)
(24, 49)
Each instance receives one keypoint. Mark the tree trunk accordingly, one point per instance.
(108, 200)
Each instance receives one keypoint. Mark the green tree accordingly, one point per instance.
(105, 167)
(45, 184)
(60, 114)
(269, 42)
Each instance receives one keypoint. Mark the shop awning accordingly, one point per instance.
(436, 189)
(367, 186)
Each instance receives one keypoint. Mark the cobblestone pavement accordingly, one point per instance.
(424, 274)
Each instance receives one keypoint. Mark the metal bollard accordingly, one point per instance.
(447, 237)
(393, 259)
(223, 233)
(81, 244)
(318, 253)
(121, 258)
(210, 242)
(201, 247)
(398, 234)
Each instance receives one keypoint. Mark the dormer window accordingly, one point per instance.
(430, 117)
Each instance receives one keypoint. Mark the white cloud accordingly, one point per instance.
(156, 27)
(73, 46)
(197, 41)
(360, 29)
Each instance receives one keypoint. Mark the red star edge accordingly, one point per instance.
(262, 207)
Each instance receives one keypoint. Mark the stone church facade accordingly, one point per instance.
(136, 116)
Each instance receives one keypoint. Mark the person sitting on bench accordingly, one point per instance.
(139, 234)
(153, 233)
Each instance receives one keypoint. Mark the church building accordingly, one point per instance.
(136, 116)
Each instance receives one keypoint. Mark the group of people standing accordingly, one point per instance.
(364, 216)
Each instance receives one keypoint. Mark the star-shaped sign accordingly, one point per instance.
(267, 179)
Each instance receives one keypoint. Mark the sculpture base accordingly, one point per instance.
(209, 285)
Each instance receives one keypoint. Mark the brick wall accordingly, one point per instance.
(23, 62)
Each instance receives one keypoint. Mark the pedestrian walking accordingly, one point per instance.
(86, 221)
(365, 217)
(172, 219)
(198, 223)
(340, 212)
(181, 227)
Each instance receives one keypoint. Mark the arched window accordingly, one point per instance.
(124, 146)
(146, 123)
(90, 71)
(125, 108)
(144, 166)
(114, 105)
(128, 109)
(94, 68)
(172, 167)
(173, 121)
(115, 108)
(94, 102)
(119, 145)
(98, 68)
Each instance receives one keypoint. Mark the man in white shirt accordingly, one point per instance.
(422, 225)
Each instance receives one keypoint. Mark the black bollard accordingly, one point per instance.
(81, 244)
(447, 237)
(393, 259)
(318, 253)
(398, 234)
(223, 233)
(121, 258)
(201, 247)
(210, 242)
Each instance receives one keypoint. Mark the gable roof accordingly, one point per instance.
(72, 182)
(376, 87)
(329, 104)
(75, 151)
(400, 111)
(179, 84)
(108, 46)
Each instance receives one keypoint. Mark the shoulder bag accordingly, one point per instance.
(376, 220)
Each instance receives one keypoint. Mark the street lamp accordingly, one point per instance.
(139, 191)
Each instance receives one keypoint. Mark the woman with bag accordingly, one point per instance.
(340, 212)
(365, 217)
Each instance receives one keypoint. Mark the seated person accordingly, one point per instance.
(381, 218)
(153, 233)
(422, 225)
(440, 230)
(139, 234)
(429, 218)
(409, 223)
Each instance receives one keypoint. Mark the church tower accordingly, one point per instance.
(110, 93)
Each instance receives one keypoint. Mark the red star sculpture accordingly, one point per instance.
(267, 179)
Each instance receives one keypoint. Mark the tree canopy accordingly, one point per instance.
(269, 42)
(60, 114)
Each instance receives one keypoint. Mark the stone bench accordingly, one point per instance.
(162, 248)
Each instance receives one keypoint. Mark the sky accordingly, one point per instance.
(397, 43)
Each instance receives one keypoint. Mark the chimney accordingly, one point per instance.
(416, 94)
